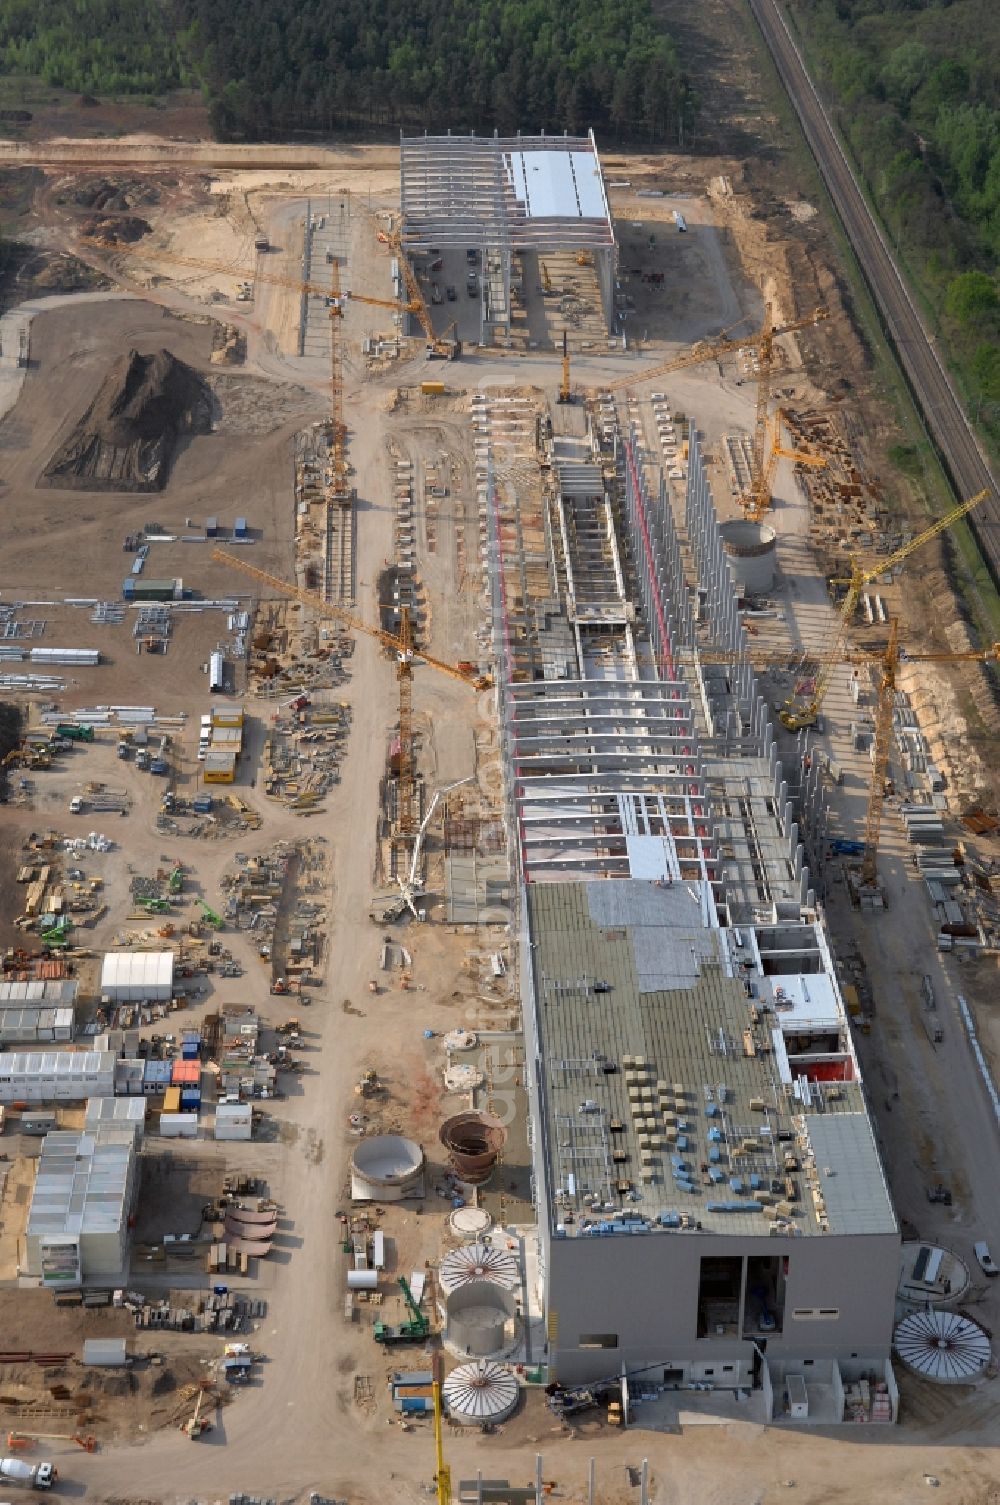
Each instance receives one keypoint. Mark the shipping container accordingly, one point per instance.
(216, 674)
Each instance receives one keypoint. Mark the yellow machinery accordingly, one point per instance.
(446, 345)
(21, 1439)
(716, 349)
(757, 499)
(756, 502)
(197, 1425)
(442, 1476)
(891, 659)
(401, 646)
(795, 717)
(336, 298)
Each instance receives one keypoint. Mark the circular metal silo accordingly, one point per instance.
(480, 1319)
(484, 1392)
(476, 1262)
(473, 1141)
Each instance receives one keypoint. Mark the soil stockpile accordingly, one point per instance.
(126, 439)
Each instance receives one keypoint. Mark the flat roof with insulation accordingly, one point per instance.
(666, 1089)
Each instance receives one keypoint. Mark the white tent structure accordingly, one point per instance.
(138, 977)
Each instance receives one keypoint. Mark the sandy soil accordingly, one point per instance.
(300, 1429)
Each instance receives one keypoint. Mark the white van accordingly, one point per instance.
(985, 1258)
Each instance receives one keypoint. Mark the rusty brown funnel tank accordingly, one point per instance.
(473, 1142)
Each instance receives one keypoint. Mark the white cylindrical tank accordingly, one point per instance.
(362, 1280)
(480, 1319)
(482, 1392)
(474, 1262)
(386, 1168)
(750, 549)
(470, 1222)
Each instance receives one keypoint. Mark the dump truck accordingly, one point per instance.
(70, 732)
(27, 1475)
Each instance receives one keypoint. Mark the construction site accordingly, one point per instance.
(500, 863)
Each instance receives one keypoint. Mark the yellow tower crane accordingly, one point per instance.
(716, 349)
(891, 659)
(336, 299)
(757, 501)
(442, 1476)
(796, 716)
(757, 498)
(401, 646)
(888, 661)
(565, 385)
(446, 346)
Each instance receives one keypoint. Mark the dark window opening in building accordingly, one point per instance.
(598, 1340)
(719, 1297)
(764, 1310)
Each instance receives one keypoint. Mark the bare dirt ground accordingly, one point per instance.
(222, 474)
(300, 1428)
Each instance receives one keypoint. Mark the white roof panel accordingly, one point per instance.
(589, 188)
(544, 182)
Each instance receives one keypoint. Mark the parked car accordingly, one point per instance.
(985, 1258)
(452, 295)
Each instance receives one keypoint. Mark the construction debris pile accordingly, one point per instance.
(303, 752)
(288, 659)
(268, 896)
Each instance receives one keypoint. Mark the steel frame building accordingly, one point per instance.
(500, 195)
(712, 1207)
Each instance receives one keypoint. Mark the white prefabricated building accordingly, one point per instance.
(30, 1025)
(83, 1196)
(138, 976)
(122, 1112)
(234, 1121)
(53, 1076)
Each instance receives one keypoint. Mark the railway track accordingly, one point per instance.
(964, 461)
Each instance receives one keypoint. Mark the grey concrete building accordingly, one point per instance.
(711, 1201)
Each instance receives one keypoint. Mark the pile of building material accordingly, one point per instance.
(303, 753)
(222, 1311)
